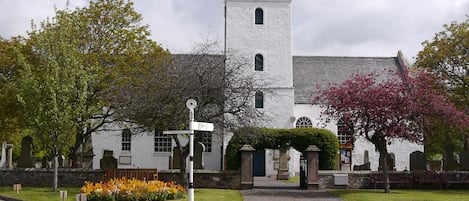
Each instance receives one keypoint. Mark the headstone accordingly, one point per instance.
(9, 156)
(366, 162)
(464, 161)
(417, 161)
(176, 158)
(26, 157)
(449, 161)
(3, 160)
(366, 157)
(283, 173)
(108, 161)
(390, 162)
(199, 150)
(61, 160)
(435, 165)
(365, 166)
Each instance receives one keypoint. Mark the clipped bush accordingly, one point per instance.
(298, 138)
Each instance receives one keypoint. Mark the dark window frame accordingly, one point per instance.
(259, 16)
(126, 144)
(259, 99)
(259, 62)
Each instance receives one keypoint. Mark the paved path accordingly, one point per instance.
(266, 189)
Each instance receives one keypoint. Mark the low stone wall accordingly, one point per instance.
(356, 180)
(34, 177)
(207, 178)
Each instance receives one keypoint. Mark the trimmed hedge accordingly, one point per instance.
(298, 138)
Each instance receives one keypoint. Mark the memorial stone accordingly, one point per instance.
(417, 161)
(26, 157)
(108, 160)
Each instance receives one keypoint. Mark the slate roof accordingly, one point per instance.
(311, 72)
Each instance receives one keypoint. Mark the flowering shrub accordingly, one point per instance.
(132, 190)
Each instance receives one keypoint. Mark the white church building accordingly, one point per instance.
(261, 29)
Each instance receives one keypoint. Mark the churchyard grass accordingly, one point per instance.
(402, 195)
(293, 179)
(39, 193)
(46, 194)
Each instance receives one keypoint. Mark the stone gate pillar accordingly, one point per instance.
(247, 155)
(312, 157)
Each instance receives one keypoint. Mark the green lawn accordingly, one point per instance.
(46, 194)
(403, 195)
(293, 179)
(38, 194)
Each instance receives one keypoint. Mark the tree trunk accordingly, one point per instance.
(383, 152)
(183, 179)
(55, 163)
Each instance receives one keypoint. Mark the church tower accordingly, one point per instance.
(260, 30)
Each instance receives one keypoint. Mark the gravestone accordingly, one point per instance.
(108, 161)
(366, 157)
(449, 161)
(282, 173)
(390, 162)
(464, 161)
(417, 161)
(366, 162)
(60, 160)
(176, 158)
(199, 150)
(3, 160)
(26, 157)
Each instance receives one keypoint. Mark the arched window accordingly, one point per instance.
(259, 16)
(259, 99)
(259, 62)
(304, 122)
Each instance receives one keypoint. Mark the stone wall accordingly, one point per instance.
(32, 177)
(45, 177)
(207, 178)
(356, 180)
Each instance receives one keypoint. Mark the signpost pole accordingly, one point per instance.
(191, 104)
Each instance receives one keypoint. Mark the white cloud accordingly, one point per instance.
(320, 27)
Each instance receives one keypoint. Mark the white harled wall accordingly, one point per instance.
(142, 149)
(401, 149)
(272, 40)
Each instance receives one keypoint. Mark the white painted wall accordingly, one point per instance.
(142, 149)
(401, 149)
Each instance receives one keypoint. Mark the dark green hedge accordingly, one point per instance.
(298, 138)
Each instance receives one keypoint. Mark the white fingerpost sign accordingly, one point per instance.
(193, 126)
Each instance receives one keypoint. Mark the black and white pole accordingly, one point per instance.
(191, 104)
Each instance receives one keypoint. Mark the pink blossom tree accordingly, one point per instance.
(382, 111)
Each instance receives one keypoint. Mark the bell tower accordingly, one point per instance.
(260, 30)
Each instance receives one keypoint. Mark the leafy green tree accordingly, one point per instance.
(11, 127)
(112, 46)
(53, 84)
(446, 56)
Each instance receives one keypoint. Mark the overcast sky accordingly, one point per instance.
(319, 27)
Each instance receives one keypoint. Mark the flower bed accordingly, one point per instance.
(132, 190)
